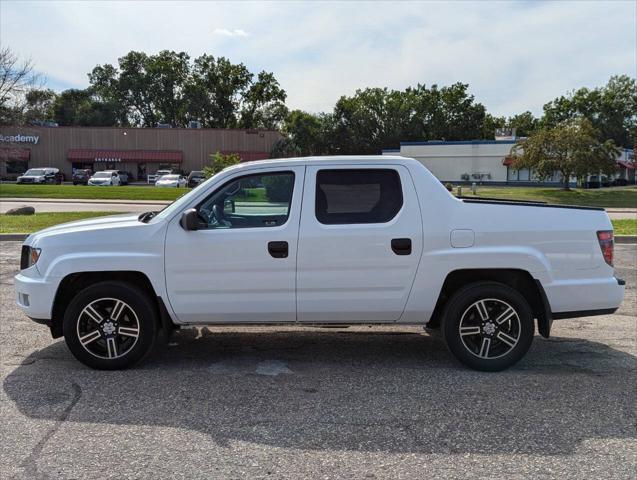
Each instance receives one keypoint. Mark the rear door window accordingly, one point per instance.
(357, 196)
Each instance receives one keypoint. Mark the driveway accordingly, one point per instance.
(297, 402)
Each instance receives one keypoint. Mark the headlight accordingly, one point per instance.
(29, 257)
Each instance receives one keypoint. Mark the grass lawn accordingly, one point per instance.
(620, 197)
(32, 223)
(128, 192)
(38, 221)
(626, 226)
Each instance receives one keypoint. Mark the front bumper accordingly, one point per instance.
(35, 296)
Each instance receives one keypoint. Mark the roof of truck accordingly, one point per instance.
(326, 160)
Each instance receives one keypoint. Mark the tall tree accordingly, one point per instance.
(449, 113)
(611, 109)
(17, 78)
(572, 148)
(263, 104)
(39, 105)
(75, 107)
(215, 90)
(525, 124)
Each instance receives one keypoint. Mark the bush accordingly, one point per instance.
(449, 186)
(220, 162)
(278, 187)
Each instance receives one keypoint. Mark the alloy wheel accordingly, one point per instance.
(108, 328)
(490, 328)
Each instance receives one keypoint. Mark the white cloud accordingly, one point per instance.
(515, 56)
(237, 32)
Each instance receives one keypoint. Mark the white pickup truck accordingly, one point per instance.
(331, 240)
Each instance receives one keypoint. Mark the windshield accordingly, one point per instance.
(102, 175)
(170, 177)
(35, 172)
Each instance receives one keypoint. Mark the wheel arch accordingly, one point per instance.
(520, 280)
(73, 283)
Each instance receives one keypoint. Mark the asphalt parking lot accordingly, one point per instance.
(321, 403)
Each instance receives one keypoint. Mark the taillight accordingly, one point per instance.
(606, 243)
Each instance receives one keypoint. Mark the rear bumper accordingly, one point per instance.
(35, 297)
(583, 298)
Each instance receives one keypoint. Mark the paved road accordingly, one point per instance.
(321, 403)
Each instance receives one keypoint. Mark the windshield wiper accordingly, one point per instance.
(146, 216)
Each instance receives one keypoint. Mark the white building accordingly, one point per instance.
(486, 161)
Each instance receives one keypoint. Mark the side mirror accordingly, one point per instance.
(190, 220)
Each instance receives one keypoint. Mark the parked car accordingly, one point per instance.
(104, 178)
(196, 178)
(171, 180)
(620, 182)
(597, 181)
(81, 176)
(123, 177)
(152, 178)
(348, 240)
(41, 176)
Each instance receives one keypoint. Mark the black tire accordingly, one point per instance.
(138, 315)
(485, 344)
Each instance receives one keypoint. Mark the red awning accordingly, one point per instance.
(508, 161)
(249, 156)
(172, 156)
(628, 165)
(15, 153)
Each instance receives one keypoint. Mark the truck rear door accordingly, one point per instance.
(359, 245)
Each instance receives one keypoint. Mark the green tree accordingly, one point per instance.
(572, 148)
(170, 88)
(39, 105)
(263, 105)
(285, 148)
(278, 188)
(214, 91)
(75, 107)
(491, 124)
(309, 133)
(611, 109)
(525, 124)
(150, 87)
(448, 113)
(220, 162)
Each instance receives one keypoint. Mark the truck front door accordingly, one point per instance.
(240, 265)
(360, 243)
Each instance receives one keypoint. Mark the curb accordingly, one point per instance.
(27, 200)
(626, 239)
(13, 237)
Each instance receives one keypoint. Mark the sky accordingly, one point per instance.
(515, 56)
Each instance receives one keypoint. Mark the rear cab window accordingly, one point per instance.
(351, 196)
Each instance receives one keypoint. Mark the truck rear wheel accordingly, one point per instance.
(110, 325)
(488, 326)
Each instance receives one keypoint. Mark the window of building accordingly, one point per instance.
(17, 166)
(524, 174)
(357, 196)
(250, 201)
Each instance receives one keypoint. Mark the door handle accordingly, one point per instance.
(278, 249)
(401, 246)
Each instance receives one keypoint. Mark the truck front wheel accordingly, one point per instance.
(110, 325)
(488, 326)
